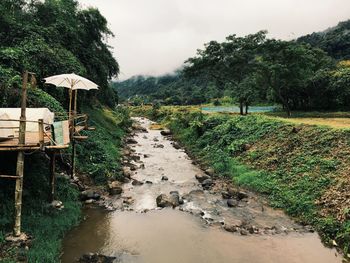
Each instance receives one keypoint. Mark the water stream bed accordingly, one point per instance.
(138, 231)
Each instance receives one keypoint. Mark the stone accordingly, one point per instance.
(176, 145)
(146, 155)
(244, 232)
(171, 200)
(115, 188)
(246, 147)
(165, 178)
(155, 139)
(149, 182)
(57, 204)
(202, 177)
(126, 171)
(166, 132)
(89, 194)
(210, 171)
(96, 258)
(136, 182)
(89, 201)
(230, 228)
(131, 141)
(206, 184)
(126, 152)
(234, 193)
(232, 203)
(135, 157)
(158, 146)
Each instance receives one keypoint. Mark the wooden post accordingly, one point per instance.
(20, 159)
(73, 158)
(52, 175)
(41, 133)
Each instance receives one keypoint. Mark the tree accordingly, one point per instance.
(288, 66)
(231, 64)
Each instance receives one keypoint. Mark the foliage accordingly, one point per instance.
(335, 41)
(54, 37)
(99, 156)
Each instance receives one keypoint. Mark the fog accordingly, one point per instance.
(154, 37)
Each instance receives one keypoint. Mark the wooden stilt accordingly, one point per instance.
(52, 175)
(73, 158)
(20, 159)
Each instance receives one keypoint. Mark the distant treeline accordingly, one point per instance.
(311, 72)
(53, 37)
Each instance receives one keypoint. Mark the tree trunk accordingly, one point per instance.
(246, 108)
(241, 108)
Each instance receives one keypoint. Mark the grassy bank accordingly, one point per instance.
(301, 169)
(97, 158)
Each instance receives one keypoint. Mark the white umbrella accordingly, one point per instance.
(72, 82)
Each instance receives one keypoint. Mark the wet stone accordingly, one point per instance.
(202, 177)
(131, 141)
(136, 182)
(232, 203)
(165, 178)
(165, 132)
(96, 258)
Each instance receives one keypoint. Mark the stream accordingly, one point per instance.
(202, 229)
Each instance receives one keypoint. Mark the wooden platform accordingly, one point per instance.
(31, 143)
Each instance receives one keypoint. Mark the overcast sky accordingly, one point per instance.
(154, 37)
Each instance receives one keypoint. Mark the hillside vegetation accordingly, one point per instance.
(311, 73)
(47, 38)
(301, 169)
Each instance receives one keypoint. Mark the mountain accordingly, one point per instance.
(335, 41)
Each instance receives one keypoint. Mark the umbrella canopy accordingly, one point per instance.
(71, 81)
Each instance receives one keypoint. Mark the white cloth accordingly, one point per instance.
(32, 114)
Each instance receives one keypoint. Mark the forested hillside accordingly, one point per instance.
(335, 41)
(172, 89)
(254, 69)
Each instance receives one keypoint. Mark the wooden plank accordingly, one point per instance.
(9, 176)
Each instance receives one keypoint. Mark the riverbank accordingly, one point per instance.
(168, 208)
(301, 169)
(46, 225)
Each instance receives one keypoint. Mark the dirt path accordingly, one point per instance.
(201, 228)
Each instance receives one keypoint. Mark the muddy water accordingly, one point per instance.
(139, 232)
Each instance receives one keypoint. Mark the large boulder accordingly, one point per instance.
(171, 200)
(115, 188)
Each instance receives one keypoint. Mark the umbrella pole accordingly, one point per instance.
(73, 139)
(70, 105)
(75, 102)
